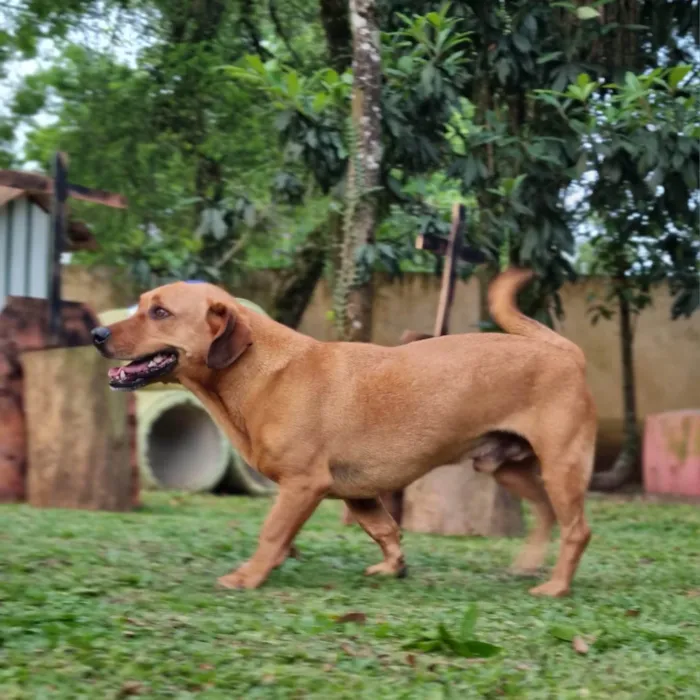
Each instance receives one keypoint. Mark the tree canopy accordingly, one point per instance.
(226, 124)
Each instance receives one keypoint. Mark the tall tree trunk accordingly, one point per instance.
(353, 301)
(297, 282)
(626, 466)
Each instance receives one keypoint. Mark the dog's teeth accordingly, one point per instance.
(152, 364)
(122, 374)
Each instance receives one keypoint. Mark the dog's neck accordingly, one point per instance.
(228, 394)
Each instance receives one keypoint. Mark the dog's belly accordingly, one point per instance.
(359, 474)
(356, 480)
(365, 476)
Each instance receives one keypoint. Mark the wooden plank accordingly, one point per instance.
(77, 436)
(90, 194)
(449, 272)
(41, 184)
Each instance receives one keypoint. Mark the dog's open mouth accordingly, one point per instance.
(140, 372)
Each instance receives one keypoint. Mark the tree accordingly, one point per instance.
(352, 300)
(189, 149)
(641, 139)
(192, 149)
(458, 86)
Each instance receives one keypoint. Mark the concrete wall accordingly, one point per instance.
(667, 353)
(99, 288)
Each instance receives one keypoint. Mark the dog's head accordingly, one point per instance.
(179, 330)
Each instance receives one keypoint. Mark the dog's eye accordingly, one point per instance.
(159, 313)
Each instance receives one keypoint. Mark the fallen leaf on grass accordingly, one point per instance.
(357, 617)
(579, 645)
(693, 594)
(633, 612)
(411, 659)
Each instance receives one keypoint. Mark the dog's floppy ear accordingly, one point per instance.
(231, 336)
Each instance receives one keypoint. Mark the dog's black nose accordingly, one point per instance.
(100, 335)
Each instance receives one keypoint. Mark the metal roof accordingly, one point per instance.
(81, 238)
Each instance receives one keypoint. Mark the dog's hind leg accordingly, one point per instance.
(376, 521)
(566, 476)
(523, 480)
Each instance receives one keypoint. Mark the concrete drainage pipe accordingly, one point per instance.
(179, 445)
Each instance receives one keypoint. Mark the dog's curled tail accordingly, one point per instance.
(504, 311)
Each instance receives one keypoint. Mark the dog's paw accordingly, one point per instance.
(551, 589)
(526, 569)
(524, 572)
(386, 568)
(240, 579)
(530, 561)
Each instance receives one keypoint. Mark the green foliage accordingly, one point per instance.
(641, 139)
(188, 148)
(312, 112)
(462, 643)
(187, 131)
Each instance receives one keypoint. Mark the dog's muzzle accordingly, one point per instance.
(100, 336)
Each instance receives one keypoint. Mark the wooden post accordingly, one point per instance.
(78, 440)
(449, 271)
(58, 229)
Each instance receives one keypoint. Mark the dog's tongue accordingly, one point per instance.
(131, 368)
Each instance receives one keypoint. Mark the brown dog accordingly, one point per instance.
(351, 420)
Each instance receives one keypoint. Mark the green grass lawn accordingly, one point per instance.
(104, 606)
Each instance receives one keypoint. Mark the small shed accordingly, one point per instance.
(26, 243)
(40, 332)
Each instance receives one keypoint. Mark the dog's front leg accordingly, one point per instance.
(295, 503)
